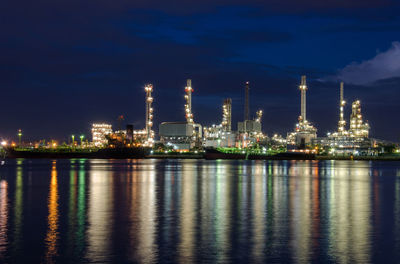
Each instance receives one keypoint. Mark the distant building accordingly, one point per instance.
(179, 135)
(216, 136)
(249, 126)
(357, 126)
(349, 141)
(304, 132)
(346, 145)
(99, 132)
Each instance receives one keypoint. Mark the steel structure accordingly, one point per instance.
(304, 131)
(149, 114)
(342, 122)
(188, 98)
(227, 115)
(357, 127)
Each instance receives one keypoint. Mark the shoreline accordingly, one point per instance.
(201, 156)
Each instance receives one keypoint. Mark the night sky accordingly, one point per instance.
(67, 64)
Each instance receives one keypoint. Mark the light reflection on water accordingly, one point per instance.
(199, 211)
(52, 231)
(3, 218)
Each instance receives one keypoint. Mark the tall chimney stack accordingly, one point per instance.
(303, 89)
(246, 103)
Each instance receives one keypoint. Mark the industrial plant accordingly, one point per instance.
(188, 136)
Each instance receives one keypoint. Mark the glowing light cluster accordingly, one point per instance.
(357, 127)
(259, 115)
(99, 132)
(227, 114)
(342, 122)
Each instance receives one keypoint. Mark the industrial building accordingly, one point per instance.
(304, 132)
(249, 130)
(99, 133)
(354, 140)
(179, 135)
(182, 135)
(221, 135)
(188, 135)
(103, 135)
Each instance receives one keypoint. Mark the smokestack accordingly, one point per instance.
(341, 92)
(246, 103)
(342, 122)
(303, 89)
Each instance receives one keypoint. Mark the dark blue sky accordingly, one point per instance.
(66, 64)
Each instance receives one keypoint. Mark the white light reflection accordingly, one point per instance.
(147, 211)
(188, 212)
(100, 215)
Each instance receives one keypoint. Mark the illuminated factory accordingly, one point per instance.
(250, 130)
(350, 141)
(103, 135)
(305, 132)
(188, 135)
(221, 135)
(248, 133)
(182, 135)
(99, 133)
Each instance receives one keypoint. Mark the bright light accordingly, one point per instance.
(4, 143)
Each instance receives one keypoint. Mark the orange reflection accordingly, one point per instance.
(52, 232)
(3, 218)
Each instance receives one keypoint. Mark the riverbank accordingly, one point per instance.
(70, 153)
(388, 157)
(136, 153)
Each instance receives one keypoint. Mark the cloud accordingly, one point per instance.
(384, 65)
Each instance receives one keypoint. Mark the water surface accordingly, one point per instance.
(183, 211)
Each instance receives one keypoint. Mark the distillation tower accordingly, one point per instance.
(149, 114)
(197, 129)
(352, 140)
(357, 127)
(188, 98)
(221, 135)
(227, 115)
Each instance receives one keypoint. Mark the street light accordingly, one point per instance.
(19, 136)
(81, 137)
(73, 140)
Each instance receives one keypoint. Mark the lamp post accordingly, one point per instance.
(81, 137)
(73, 140)
(19, 136)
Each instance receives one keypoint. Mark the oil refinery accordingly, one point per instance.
(188, 136)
